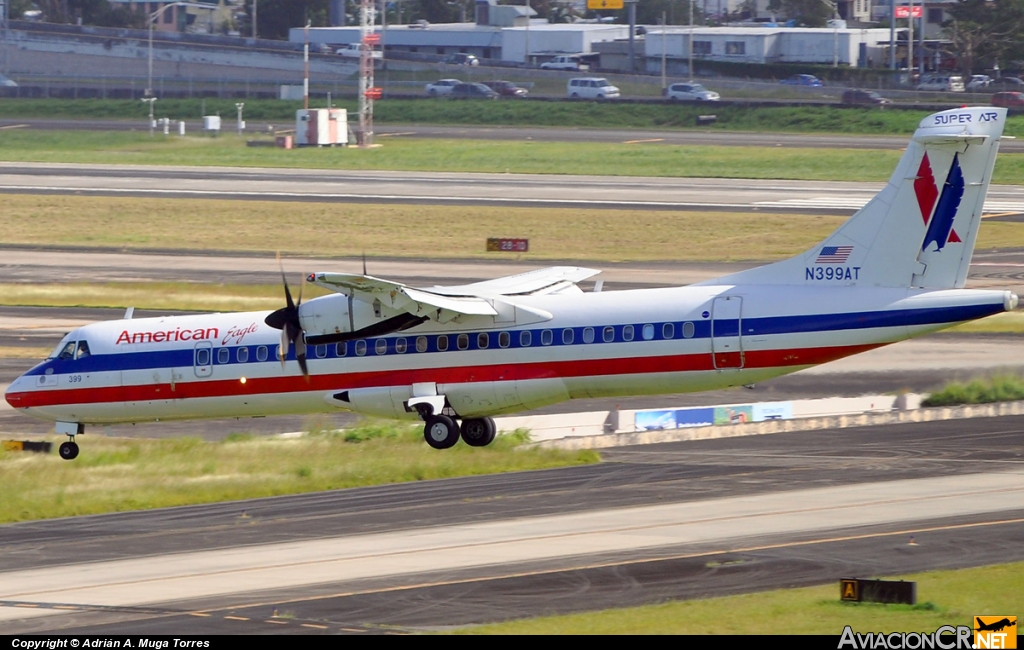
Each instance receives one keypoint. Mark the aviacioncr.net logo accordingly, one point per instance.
(946, 637)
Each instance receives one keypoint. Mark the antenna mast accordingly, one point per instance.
(367, 91)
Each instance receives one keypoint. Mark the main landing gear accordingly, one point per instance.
(442, 432)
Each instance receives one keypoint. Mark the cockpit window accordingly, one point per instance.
(68, 352)
(83, 350)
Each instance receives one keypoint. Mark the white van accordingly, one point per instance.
(591, 88)
(942, 83)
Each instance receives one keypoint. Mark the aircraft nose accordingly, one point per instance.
(13, 392)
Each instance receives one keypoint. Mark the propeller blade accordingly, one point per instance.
(300, 354)
(282, 351)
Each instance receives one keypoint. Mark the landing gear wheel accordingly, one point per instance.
(68, 451)
(441, 432)
(478, 432)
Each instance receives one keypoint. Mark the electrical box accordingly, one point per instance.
(319, 127)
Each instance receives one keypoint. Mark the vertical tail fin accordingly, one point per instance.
(921, 229)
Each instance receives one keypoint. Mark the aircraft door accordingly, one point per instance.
(203, 360)
(726, 340)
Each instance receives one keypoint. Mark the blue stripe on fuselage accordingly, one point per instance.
(773, 325)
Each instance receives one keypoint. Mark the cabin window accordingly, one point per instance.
(381, 346)
(360, 347)
(68, 352)
(463, 341)
(242, 355)
(203, 356)
(648, 332)
(401, 346)
(687, 330)
(261, 353)
(546, 337)
(483, 340)
(341, 349)
(567, 336)
(83, 350)
(321, 351)
(504, 340)
(588, 334)
(442, 343)
(421, 344)
(609, 334)
(223, 355)
(668, 331)
(278, 354)
(627, 332)
(525, 339)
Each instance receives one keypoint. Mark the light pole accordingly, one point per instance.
(241, 124)
(152, 123)
(527, 61)
(152, 20)
(834, 6)
(254, 18)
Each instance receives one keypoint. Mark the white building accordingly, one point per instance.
(852, 47)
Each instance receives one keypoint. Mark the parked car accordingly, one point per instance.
(441, 87)
(978, 83)
(802, 80)
(564, 62)
(507, 88)
(472, 91)
(689, 92)
(591, 88)
(864, 98)
(7, 83)
(1007, 83)
(461, 59)
(1010, 99)
(942, 83)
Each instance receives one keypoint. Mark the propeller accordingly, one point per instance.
(286, 319)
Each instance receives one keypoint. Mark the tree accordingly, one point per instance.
(983, 33)
(91, 12)
(806, 13)
(276, 17)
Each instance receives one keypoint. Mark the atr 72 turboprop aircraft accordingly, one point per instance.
(895, 270)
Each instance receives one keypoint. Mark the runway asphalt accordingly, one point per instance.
(680, 520)
(522, 190)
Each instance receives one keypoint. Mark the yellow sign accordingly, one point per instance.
(995, 632)
(604, 4)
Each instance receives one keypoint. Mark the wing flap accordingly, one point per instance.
(548, 280)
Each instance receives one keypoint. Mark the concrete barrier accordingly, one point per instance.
(782, 426)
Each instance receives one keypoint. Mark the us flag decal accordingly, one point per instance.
(834, 254)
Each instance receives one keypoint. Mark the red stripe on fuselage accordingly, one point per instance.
(452, 375)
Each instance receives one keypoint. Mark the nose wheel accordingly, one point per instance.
(69, 450)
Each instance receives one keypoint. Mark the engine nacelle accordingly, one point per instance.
(335, 314)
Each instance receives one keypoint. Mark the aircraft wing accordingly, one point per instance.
(550, 280)
(402, 298)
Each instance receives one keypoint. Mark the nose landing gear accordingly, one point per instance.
(69, 449)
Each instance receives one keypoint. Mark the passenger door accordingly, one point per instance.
(203, 359)
(726, 328)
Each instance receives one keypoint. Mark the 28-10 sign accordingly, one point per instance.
(507, 245)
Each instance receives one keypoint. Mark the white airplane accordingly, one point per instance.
(895, 270)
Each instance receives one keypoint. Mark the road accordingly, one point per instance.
(526, 190)
(678, 520)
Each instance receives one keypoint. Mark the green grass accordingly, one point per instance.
(945, 598)
(119, 474)
(1000, 388)
(808, 119)
(529, 157)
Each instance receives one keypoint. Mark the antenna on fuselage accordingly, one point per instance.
(128, 313)
(364, 262)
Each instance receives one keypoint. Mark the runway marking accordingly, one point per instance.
(270, 620)
(14, 126)
(604, 565)
(642, 141)
(198, 614)
(236, 618)
(318, 627)
(1000, 214)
